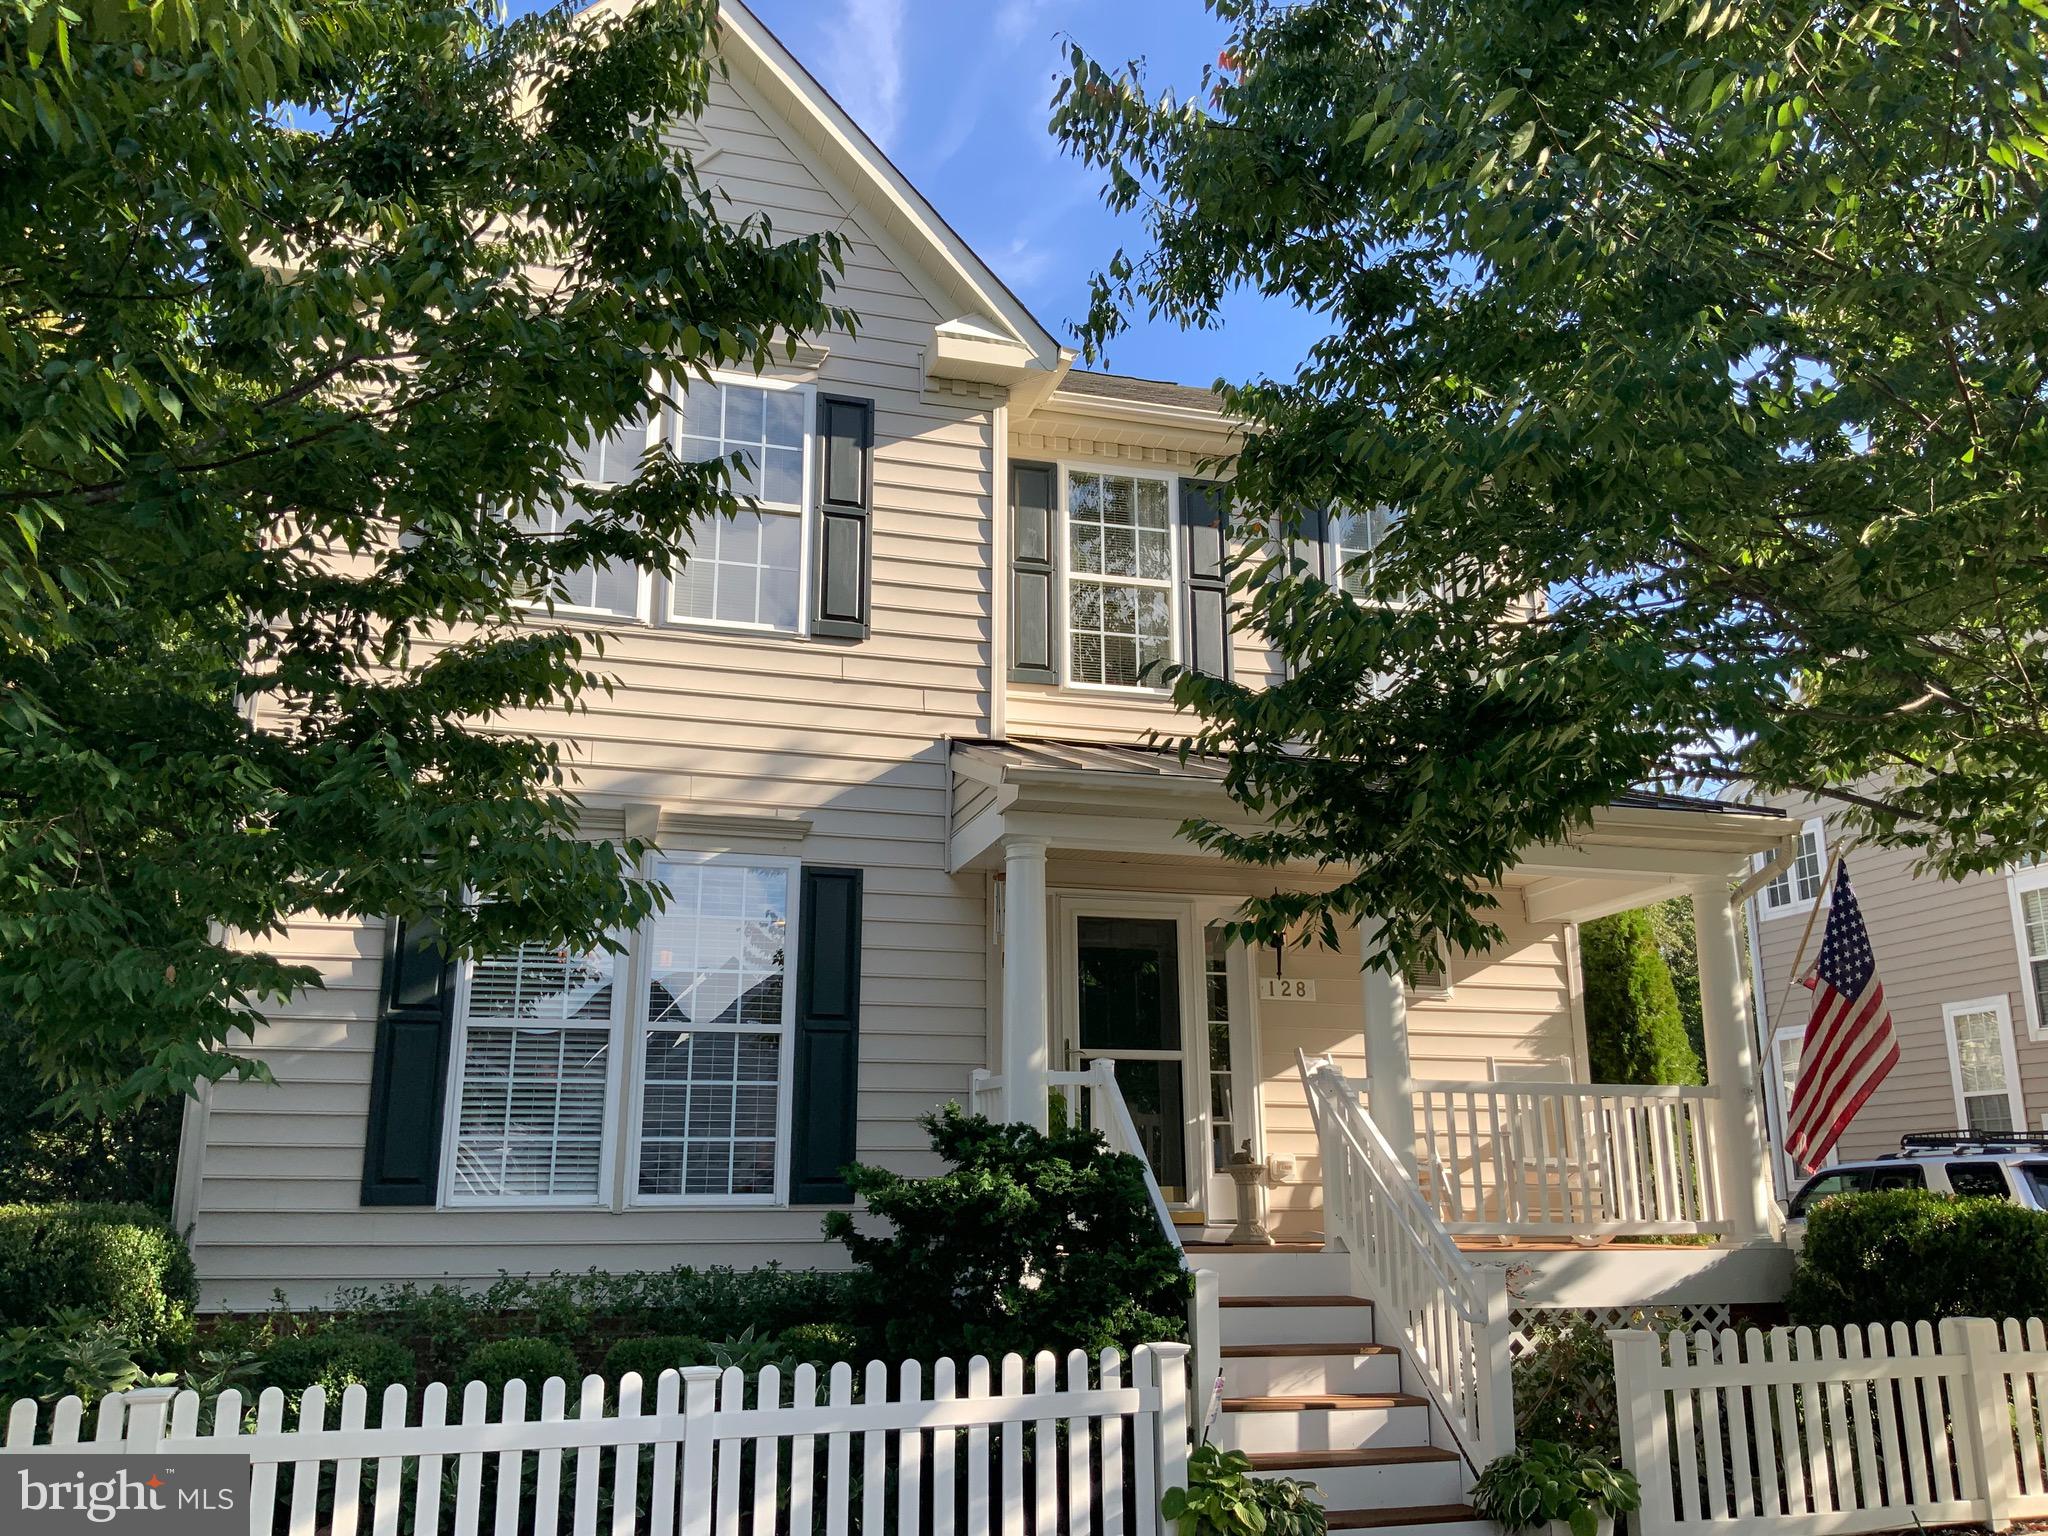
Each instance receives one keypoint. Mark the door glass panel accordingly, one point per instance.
(1152, 1090)
(1216, 998)
(1130, 984)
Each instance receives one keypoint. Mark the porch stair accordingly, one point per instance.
(1309, 1392)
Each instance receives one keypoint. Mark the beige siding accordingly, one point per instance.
(849, 736)
(1936, 942)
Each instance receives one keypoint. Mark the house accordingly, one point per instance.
(894, 738)
(1963, 964)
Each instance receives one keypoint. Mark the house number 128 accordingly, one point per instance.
(1287, 989)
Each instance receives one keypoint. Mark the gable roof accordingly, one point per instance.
(992, 334)
(1125, 387)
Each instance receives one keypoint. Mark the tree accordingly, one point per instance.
(1696, 347)
(307, 310)
(1678, 942)
(1634, 1031)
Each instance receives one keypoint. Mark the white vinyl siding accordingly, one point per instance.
(533, 1102)
(747, 570)
(716, 1031)
(1120, 579)
(1797, 888)
(1981, 1062)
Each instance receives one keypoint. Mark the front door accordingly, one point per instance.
(1128, 1006)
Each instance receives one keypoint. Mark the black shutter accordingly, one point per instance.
(1207, 594)
(827, 1036)
(1034, 504)
(1312, 542)
(409, 1073)
(846, 493)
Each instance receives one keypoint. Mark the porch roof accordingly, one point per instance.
(1131, 798)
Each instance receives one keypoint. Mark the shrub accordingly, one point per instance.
(818, 1343)
(1901, 1255)
(1222, 1498)
(654, 1354)
(335, 1359)
(1564, 1381)
(121, 1264)
(529, 1360)
(1028, 1242)
(73, 1353)
(1634, 1030)
(1542, 1481)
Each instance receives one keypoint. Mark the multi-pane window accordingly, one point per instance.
(536, 1061)
(746, 570)
(612, 586)
(1119, 579)
(2034, 918)
(1978, 1045)
(543, 1034)
(715, 1030)
(1798, 886)
(1353, 538)
(1223, 1137)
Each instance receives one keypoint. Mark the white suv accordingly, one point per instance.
(2001, 1165)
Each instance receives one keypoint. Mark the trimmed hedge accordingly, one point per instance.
(528, 1360)
(122, 1263)
(336, 1359)
(1902, 1255)
(654, 1354)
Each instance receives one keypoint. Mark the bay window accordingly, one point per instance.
(1120, 579)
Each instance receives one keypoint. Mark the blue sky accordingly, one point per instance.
(957, 92)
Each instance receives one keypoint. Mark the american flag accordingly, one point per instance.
(1850, 1043)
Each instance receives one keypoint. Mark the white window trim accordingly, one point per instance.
(671, 426)
(644, 598)
(629, 1150)
(1066, 469)
(2018, 882)
(452, 1112)
(1950, 1012)
(1797, 906)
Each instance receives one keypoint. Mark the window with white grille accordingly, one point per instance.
(715, 1022)
(1353, 538)
(534, 1091)
(747, 570)
(1797, 886)
(1982, 1066)
(1119, 579)
(611, 587)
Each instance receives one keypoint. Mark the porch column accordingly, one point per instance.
(1027, 1010)
(1742, 1151)
(1389, 1078)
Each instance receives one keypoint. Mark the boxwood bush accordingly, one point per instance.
(1902, 1255)
(532, 1361)
(652, 1355)
(123, 1264)
(334, 1359)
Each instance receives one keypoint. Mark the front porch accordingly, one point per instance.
(1108, 924)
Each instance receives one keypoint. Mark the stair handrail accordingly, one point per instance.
(1452, 1314)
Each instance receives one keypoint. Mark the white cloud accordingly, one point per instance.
(862, 65)
(1022, 262)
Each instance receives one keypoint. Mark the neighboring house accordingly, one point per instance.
(1963, 964)
(890, 735)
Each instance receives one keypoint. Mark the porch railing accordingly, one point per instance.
(1451, 1314)
(1093, 1094)
(1569, 1159)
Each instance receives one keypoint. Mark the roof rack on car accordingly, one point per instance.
(1975, 1141)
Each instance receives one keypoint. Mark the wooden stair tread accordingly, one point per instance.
(1293, 1351)
(1361, 1456)
(1253, 1247)
(1292, 1301)
(1399, 1514)
(1306, 1401)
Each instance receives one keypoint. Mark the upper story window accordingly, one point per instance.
(2028, 885)
(1120, 579)
(1797, 887)
(615, 588)
(747, 570)
(1353, 538)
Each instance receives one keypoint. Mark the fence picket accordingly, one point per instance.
(263, 1480)
(1885, 1404)
(1012, 1490)
(767, 1463)
(661, 1495)
(1112, 1441)
(1079, 1482)
(836, 1452)
(732, 1396)
(547, 1477)
(803, 1393)
(1913, 1427)
(390, 1469)
(590, 1405)
(469, 1466)
(626, 1460)
(978, 1508)
(874, 1446)
(945, 1453)
(21, 1424)
(1679, 1347)
(348, 1471)
(1045, 1461)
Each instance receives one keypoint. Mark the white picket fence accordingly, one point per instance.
(972, 1453)
(1803, 1432)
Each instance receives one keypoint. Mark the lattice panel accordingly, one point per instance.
(1714, 1315)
